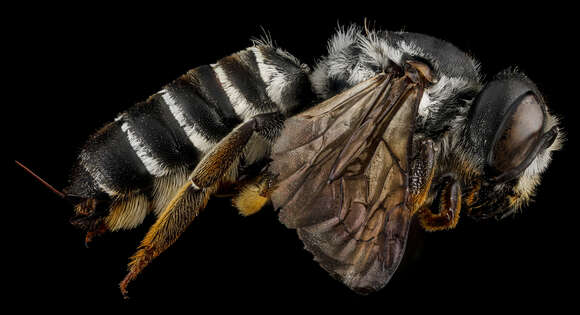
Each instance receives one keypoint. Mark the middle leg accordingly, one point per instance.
(254, 195)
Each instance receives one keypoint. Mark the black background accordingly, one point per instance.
(72, 69)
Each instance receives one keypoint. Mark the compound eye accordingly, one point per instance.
(518, 135)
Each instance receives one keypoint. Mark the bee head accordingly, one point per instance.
(511, 135)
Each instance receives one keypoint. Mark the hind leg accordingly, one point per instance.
(181, 211)
(191, 198)
(217, 166)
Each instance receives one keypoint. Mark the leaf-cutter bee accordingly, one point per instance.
(389, 126)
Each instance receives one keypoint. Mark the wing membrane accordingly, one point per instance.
(343, 173)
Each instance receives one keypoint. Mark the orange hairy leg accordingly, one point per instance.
(254, 195)
(218, 166)
(181, 211)
(449, 208)
(423, 170)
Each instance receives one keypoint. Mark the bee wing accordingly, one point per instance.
(343, 176)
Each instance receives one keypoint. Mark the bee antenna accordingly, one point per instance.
(54, 190)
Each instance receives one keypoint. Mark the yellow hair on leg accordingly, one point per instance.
(252, 198)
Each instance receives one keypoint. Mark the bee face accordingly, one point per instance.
(510, 136)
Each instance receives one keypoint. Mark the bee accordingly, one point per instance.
(386, 128)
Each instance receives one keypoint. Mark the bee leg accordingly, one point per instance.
(254, 195)
(247, 175)
(216, 163)
(176, 217)
(449, 209)
(422, 171)
(180, 212)
(204, 181)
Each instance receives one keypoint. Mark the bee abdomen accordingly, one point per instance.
(111, 162)
(126, 155)
(150, 148)
(157, 138)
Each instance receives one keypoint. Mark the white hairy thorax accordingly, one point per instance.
(355, 55)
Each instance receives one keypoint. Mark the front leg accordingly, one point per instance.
(422, 172)
(449, 208)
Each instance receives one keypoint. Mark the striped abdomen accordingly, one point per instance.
(140, 160)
